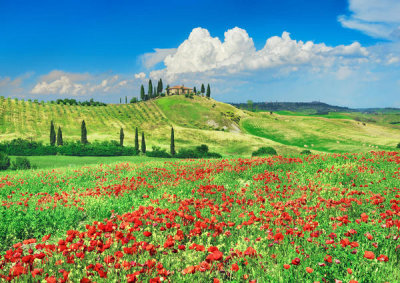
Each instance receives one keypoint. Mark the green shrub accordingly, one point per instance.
(4, 161)
(200, 151)
(264, 151)
(306, 152)
(21, 163)
(158, 152)
(203, 149)
(398, 145)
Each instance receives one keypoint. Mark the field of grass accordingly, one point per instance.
(224, 128)
(280, 219)
(59, 161)
(318, 133)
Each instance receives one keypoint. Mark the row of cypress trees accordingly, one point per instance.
(59, 139)
(55, 138)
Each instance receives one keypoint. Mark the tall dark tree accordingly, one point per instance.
(143, 144)
(136, 140)
(52, 134)
(155, 93)
(150, 89)
(167, 89)
(126, 100)
(203, 90)
(120, 100)
(159, 87)
(59, 137)
(83, 133)
(142, 93)
(172, 142)
(208, 91)
(121, 137)
(194, 90)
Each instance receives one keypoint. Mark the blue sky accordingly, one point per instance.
(341, 52)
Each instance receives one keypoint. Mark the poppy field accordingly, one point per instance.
(325, 218)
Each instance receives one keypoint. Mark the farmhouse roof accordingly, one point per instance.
(179, 87)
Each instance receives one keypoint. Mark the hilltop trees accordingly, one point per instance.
(208, 91)
(142, 94)
(150, 90)
(203, 90)
(143, 144)
(172, 142)
(159, 87)
(121, 137)
(52, 134)
(84, 139)
(136, 140)
(194, 90)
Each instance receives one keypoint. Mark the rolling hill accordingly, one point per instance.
(223, 127)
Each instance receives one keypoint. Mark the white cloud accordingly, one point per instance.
(151, 59)
(202, 53)
(140, 76)
(377, 18)
(76, 84)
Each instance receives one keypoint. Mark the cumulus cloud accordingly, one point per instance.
(140, 76)
(77, 84)
(151, 59)
(202, 53)
(377, 18)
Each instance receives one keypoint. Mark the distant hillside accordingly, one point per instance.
(310, 107)
(223, 127)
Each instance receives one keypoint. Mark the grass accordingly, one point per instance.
(224, 128)
(59, 161)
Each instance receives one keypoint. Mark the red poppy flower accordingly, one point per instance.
(369, 255)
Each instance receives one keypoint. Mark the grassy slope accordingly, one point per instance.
(202, 120)
(326, 134)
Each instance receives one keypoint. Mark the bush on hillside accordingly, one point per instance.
(264, 151)
(306, 152)
(22, 147)
(198, 152)
(4, 161)
(158, 152)
(21, 163)
(398, 145)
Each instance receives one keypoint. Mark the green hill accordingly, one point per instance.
(226, 129)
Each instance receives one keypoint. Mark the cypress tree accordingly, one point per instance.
(167, 89)
(194, 90)
(52, 134)
(203, 90)
(155, 93)
(83, 133)
(159, 87)
(143, 144)
(59, 137)
(142, 94)
(172, 142)
(120, 100)
(121, 137)
(136, 140)
(126, 100)
(208, 91)
(150, 90)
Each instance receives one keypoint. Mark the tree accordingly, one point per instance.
(208, 91)
(136, 140)
(142, 94)
(121, 137)
(155, 94)
(203, 90)
(172, 142)
(143, 144)
(52, 134)
(167, 89)
(150, 89)
(159, 87)
(133, 100)
(126, 100)
(194, 90)
(83, 133)
(120, 100)
(59, 137)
